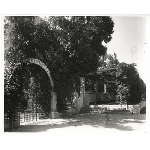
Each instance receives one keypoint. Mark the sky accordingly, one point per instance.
(129, 41)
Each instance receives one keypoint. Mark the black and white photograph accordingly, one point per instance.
(75, 74)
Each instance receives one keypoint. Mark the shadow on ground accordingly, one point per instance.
(120, 122)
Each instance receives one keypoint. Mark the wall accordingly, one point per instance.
(15, 123)
(134, 108)
(137, 108)
(89, 97)
(110, 107)
(6, 124)
(142, 104)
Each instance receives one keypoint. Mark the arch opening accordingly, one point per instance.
(31, 84)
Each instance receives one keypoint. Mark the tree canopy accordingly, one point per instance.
(134, 87)
(69, 45)
(127, 85)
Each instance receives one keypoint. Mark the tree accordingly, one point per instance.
(127, 86)
(108, 61)
(69, 46)
(132, 86)
(83, 45)
(109, 77)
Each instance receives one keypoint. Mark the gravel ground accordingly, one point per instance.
(87, 123)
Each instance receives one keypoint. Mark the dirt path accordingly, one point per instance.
(88, 123)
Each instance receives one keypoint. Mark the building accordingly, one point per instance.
(93, 92)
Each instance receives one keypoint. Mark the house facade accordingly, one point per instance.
(92, 91)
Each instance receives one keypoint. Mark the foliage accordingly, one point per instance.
(81, 47)
(132, 86)
(36, 89)
(108, 77)
(122, 93)
(108, 61)
(127, 86)
(69, 46)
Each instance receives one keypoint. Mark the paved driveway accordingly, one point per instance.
(88, 123)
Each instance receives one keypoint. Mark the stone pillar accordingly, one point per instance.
(77, 103)
(54, 114)
(82, 89)
(105, 90)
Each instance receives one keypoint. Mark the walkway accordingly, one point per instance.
(88, 123)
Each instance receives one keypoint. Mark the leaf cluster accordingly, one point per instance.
(132, 85)
(69, 46)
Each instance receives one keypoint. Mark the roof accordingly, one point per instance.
(107, 69)
(102, 70)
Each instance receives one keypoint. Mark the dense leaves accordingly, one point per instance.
(130, 86)
(69, 46)
(126, 85)
(108, 77)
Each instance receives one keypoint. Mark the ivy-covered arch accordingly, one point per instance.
(38, 62)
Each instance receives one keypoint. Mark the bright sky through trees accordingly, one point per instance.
(129, 41)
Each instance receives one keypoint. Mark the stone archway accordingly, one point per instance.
(41, 64)
(53, 112)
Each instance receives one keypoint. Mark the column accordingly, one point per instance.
(82, 91)
(54, 114)
(77, 103)
(105, 90)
